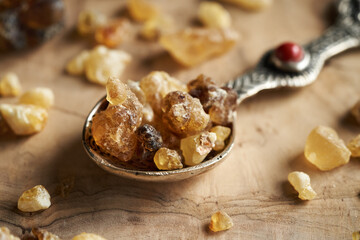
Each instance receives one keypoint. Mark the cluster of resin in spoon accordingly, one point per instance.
(162, 123)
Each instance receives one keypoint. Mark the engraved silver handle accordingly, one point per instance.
(343, 35)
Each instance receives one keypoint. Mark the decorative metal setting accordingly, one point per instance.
(343, 35)
(290, 66)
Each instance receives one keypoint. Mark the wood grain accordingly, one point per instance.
(250, 185)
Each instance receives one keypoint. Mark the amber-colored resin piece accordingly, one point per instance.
(356, 235)
(88, 236)
(195, 148)
(183, 114)
(212, 14)
(113, 33)
(222, 133)
(10, 85)
(116, 91)
(24, 119)
(34, 199)
(193, 46)
(114, 128)
(253, 5)
(42, 97)
(355, 111)
(167, 159)
(42, 234)
(219, 102)
(6, 235)
(103, 63)
(141, 10)
(354, 146)
(301, 182)
(89, 21)
(220, 221)
(99, 64)
(325, 149)
(156, 85)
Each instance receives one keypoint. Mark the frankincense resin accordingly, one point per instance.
(301, 182)
(220, 221)
(183, 114)
(167, 159)
(193, 46)
(325, 149)
(114, 128)
(34, 199)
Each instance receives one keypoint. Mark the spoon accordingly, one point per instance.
(273, 71)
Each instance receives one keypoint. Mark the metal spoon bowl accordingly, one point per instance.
(107, 162)
(345, 34)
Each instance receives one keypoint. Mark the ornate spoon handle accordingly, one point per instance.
(343, 35)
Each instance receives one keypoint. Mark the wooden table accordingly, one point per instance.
(251, 185)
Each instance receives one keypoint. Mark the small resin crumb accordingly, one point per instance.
(325, 149)
(220, 221)
(196, 148)
(253, 5)
(301, 182)
(355, 111)
(116, 91)
(222, 133)
(24, 119)
(89, 21)
(356, 235)
(10, 85)
(167, 159)
(34, 199)
(113, 33)
(42, 97)
(212, 14)
(88, 236)
(42, 234)
(193, 46)
(142, 10)
(354, 146)
(6, 235)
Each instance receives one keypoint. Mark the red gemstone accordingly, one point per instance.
(289, 52)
